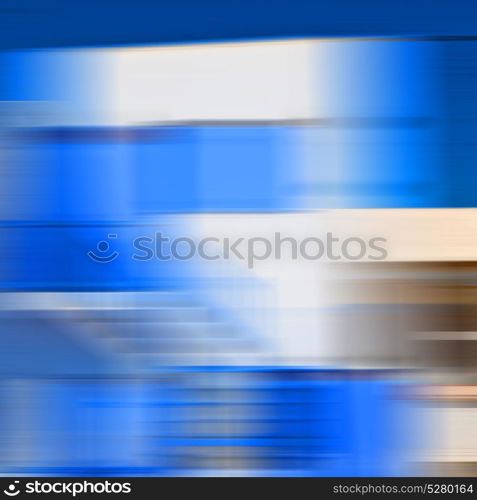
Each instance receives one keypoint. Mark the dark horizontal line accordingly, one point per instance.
(168, 131)
(197, 439)
(333, 122)
(29, 224)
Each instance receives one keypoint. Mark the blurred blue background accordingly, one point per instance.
(174, 367)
